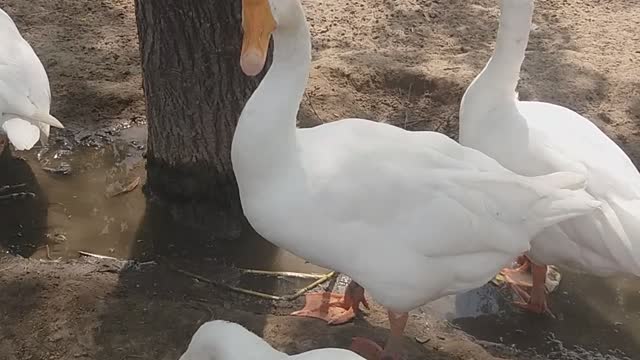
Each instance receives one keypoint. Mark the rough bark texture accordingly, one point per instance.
(194, 91)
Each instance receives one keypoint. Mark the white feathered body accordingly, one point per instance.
(410, 216)
(604, 242)
(24, 88)
(535, 138)
(222, 340)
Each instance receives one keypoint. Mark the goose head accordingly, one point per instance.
(260, 20)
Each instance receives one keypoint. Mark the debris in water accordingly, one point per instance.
(130, 187)
(84, 253)
(63, 168)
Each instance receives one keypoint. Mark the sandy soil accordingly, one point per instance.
(103, 309)
(404, 61)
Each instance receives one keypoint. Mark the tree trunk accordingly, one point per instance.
(194, 91)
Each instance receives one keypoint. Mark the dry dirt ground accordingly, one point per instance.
(405, 61)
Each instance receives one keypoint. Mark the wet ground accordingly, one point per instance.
(95, 204)
(596, 318)
(83, 181)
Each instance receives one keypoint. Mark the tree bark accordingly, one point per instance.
(194, 91)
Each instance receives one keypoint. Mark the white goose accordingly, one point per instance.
(535, 138)
(222, 340)
(410, 216)
(25, 96)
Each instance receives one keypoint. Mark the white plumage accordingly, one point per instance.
(410, 216)
(222, 340)
(535, 138)
(24, 90)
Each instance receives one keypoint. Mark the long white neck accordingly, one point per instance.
(265, 138)
(499, 79)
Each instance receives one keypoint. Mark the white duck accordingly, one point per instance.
(25, 96)
(411, 216)
(222, 340)
(536, 138)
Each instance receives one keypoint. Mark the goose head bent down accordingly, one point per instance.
(25, 96)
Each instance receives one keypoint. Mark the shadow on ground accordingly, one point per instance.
(23, 219)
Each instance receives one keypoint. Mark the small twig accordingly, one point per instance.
(8, 267)
(84, 253)
(444, 122)
(49, 261)
(19, 195)
(16, 195)
(282, 273)
(406, 113)
(216, 283)
(9, 187)
(301, 292)
(129, 188)
(291, 297)
(314, 109)
(205, 303)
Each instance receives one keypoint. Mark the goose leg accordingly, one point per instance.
(353, 297)
(392, 350)
(537, 301)
(335, 309)
(393, 347)
(518, 278)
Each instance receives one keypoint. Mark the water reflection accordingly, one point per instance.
(81, 183)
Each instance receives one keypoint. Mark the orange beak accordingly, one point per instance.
(258, 24)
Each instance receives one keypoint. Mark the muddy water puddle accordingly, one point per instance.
(83, 199)
(89, 198)
(595, 319)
